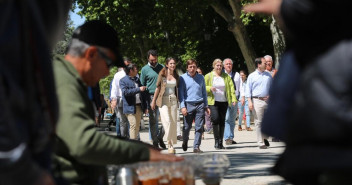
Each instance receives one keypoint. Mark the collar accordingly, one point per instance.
(153, 66)
(190, 75)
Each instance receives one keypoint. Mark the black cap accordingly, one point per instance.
(100, 34)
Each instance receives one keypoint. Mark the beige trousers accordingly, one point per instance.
(168, 114)
(259, 107)
(135, 120)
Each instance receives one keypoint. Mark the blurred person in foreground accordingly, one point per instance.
(312, 90)
(28, 104)
(81, 152)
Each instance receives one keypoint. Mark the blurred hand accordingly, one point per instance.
(146, 111)
(250, 105)
(142, 88)
(264, 6)
(113, 104)
(213, 89)
(242, 101)
(208, 110)
(157, 156)
(45, 179)
(184, 111)
(152, 105)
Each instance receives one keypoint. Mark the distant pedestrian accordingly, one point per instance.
(193, 102)
(221, 94)
(231, 112)
(149, 77)
(257, 94)
(134, 99)
(243, 103)
(165, 97)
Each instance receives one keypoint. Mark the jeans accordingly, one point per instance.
(195, 111)
(154, 133)
(122, 129)
(231, 114)
(245, 108)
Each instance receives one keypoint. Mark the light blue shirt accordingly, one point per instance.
(192, 90)
(258, 84)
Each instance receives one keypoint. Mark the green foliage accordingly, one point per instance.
(105, 82)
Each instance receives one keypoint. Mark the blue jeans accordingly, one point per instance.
(195, 111)
(118, 126)
(248, 114)
(231, 114)
(154, 133)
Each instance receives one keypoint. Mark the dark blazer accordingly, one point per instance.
(129, 91)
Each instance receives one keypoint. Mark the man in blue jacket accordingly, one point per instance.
(134, 99)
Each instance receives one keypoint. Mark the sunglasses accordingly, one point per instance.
(107, 60)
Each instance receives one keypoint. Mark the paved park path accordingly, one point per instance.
(249, 164)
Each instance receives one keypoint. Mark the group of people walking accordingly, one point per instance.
(160, 91)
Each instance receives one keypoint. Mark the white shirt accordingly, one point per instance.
(219, 85)
(115, 85)
(237, 82)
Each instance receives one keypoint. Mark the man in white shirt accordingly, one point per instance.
(257, 93)
(231, 113)
(116, 101)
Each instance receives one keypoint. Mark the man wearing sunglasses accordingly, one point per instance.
(81, 151)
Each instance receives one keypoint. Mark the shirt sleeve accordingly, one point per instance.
(248, 89)
(204, 93)
(77, 134)
(237, 81)
(181, 92)
(142, 77)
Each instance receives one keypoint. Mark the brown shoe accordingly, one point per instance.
(249, 129)
(228, 142)
(197, 150)
(239, 128)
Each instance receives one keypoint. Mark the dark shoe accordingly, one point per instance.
(179, 138)
(156, 145)
(266, 142)
(239, 128)
(263, 147)
(233, 142)
(184, 146)
(216, 146)
(221, 146)
(197, 150)
(228, 142)
(161, 143)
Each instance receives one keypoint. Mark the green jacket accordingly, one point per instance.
(230, 90)
(81, 152)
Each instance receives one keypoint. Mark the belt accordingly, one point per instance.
(260, 98)
(138, 104)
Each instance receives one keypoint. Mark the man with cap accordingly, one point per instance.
(81, 151)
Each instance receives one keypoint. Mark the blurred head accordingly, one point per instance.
(170, 63)
(126, 61)
(228, 64)
(269, 62)
(93, 50)
(191, 67)
(217, 66)
(260, 64)
(199, 70)
(152, 57)
(131, 70)
(243, 75)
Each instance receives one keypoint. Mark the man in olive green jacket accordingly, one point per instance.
(81, 152)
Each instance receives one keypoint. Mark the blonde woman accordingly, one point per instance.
(165, 97)
(221, 94)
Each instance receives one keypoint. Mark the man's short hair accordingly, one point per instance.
(190, 62)
(223, 62)
(129, 67)
(98, 33)
(269, 57)
(258, 61)
(152, 52)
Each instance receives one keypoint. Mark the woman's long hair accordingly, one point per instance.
(164, 71)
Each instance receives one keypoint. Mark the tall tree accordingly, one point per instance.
(61, 46)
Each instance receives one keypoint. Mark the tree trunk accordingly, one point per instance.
(278, 41)
(238, 29)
